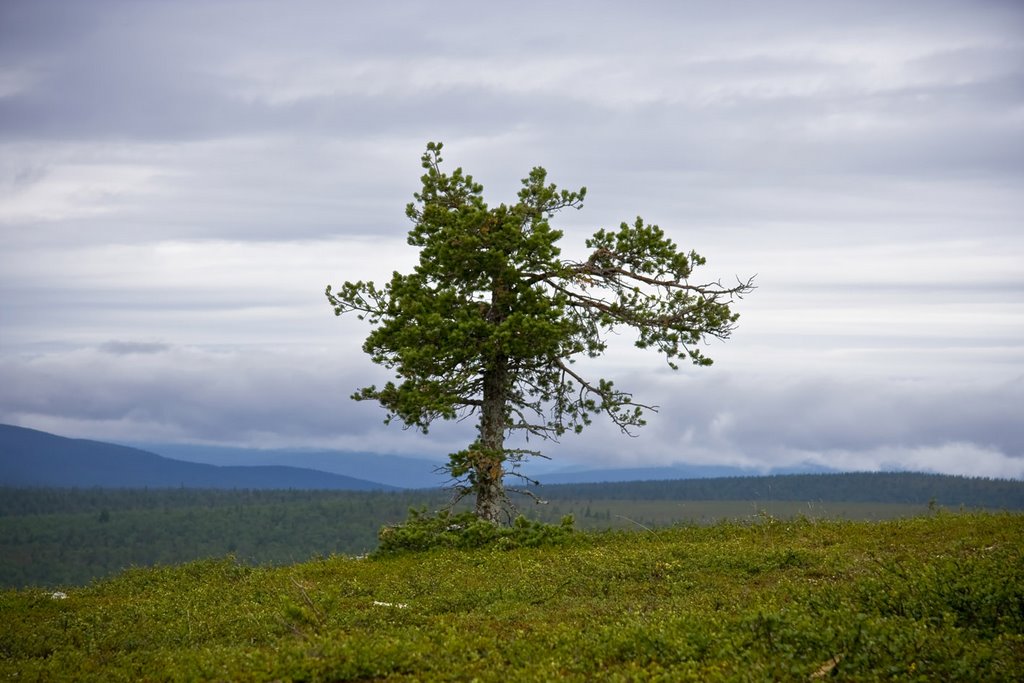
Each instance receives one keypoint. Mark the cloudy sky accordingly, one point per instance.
(180, 180)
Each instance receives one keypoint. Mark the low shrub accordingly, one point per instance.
(423, 531)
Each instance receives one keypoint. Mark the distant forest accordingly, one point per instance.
(64, 536)
(857, 487)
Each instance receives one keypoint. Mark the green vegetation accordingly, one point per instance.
(860, 487)
(423, 531)
(935, 597)
(68, 536)
(51, 537)
(492, 320)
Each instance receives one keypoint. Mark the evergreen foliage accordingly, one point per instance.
(59, 536)
(422, 531)
(492, 319)
(864, 487)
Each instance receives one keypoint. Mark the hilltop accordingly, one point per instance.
(937, 597)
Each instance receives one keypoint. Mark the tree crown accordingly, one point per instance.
(492, 318)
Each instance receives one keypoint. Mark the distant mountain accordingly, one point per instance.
(413, 473)
(32, 458)
(395, 470)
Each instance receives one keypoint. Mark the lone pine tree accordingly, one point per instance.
(490, 322)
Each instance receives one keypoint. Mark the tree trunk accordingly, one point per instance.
(489, 465)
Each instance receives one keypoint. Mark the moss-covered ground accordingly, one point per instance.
(936, 597)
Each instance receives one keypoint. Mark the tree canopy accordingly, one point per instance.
(491, 320)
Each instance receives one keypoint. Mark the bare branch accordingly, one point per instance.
(526, 492)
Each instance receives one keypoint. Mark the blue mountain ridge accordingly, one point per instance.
(29, 457)
(394, 470)
(45, 460)
(417, 472)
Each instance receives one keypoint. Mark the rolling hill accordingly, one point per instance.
(394, 470)
(421, 472)
(33, 458)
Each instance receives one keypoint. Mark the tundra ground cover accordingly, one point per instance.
(938, 597)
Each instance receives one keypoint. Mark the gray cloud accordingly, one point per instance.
(123, 348)
(768, 421)
(138, 391)
(822, 413)
(186, 183)
(146, 391)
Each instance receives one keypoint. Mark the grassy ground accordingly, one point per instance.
(938, 597)
(599, 514)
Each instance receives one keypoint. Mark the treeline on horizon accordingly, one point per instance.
(862, 487)
(854, 487)
(68, 536)
(53, 537)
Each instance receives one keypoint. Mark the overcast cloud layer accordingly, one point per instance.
(180, 180)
